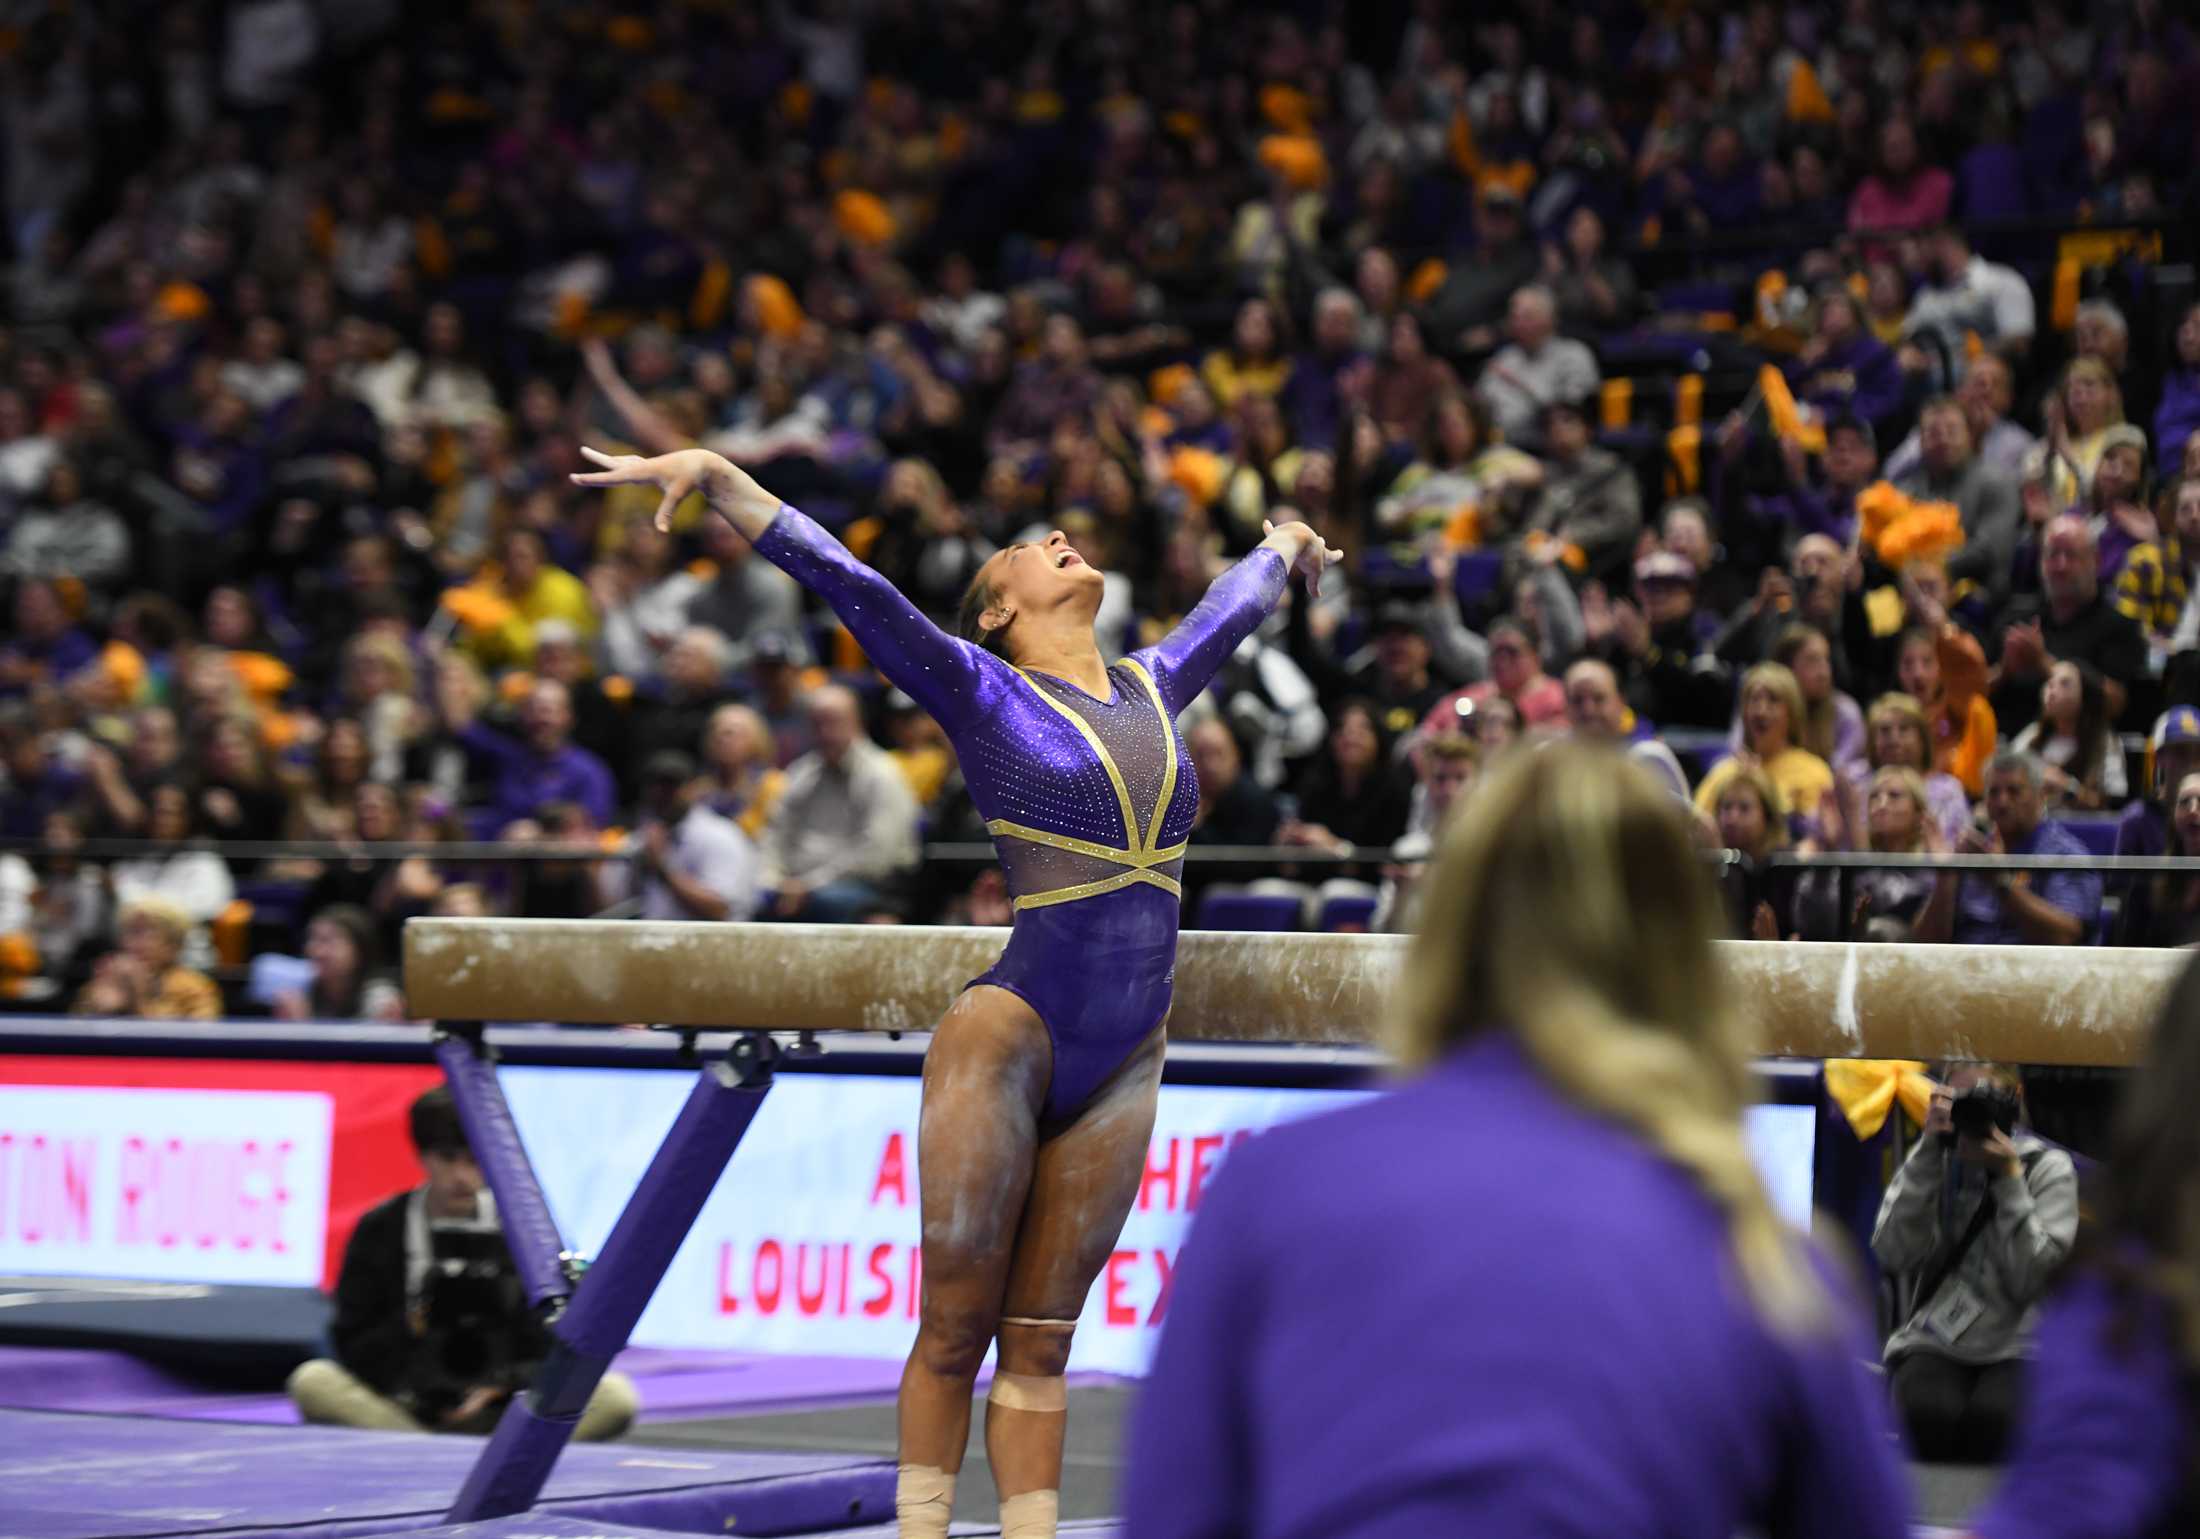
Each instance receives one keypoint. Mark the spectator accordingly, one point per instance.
(1233, 809)
(1986, 393)
(2173, 752)
(1463, 483)
(2050, 908)
(46, 647)
(1596, 712)
(2178, 417)
(1589, 510)
(397, 1367)
(1655, 641)
(2164, 909)
(1772, 714)
(2070, 619)
(1315, 395)
(1942, 668)
(846, 829)
(747, 599)
(1884, 903)
(926, 544)
(2158, 580)
(1842, 369)
(1516, 677)
(1964, 295)
(321, 807)
(691, 862)
(2081, 414)
(1535, 368)
(1902, 192)
(1949, 469)
(1411, 383)
(527, 592)
(744, 782)
(541, 767)
(192, 880)
(1832, 725)
(1355, 793)
(1594, 289)
(70, 900)
(67, 534)
(146, 979)
(643, 596)
(1256, 362)
(390, 891)
(1540, 987)
(2081, 760)
(346, 984)
(378, 691)
(1396, 680)
(1445, 771)
(1976, 1223)
(1900, 736)
(1467, 305)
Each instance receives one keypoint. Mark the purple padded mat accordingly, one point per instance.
(71, 1476)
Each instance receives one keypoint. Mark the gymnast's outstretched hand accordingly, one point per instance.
(1302, 550)
(729, 489)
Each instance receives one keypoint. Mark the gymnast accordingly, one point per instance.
(1040, 1085)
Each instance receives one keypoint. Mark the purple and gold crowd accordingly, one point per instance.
(1802, 394)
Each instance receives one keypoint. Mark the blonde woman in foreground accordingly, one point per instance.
(1540, 1289)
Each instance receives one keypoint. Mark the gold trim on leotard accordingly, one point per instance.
(1168, 772)
(1142, 853)
(1116, 883)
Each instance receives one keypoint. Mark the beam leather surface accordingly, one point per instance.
(2029, 1004)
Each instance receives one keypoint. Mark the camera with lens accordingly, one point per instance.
(479, 1333)
(1980, 1111)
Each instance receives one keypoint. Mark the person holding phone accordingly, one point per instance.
(1974, 1226)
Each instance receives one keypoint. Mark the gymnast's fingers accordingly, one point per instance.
(618, 469)
(675, 494)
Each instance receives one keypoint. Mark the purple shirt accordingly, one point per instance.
(521, 780)
(1980, 917)
(2101, 1445)
(1471, 1307)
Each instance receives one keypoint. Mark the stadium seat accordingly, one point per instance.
(1347, 914)
(1247, 911)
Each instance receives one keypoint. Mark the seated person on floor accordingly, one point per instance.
(432, 1329)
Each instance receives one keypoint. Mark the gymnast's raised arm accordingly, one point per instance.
(941, 673)
(1232, 609)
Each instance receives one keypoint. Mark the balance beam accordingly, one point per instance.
(2022, 1004)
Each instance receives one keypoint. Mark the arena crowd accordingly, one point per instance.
(1804, 395)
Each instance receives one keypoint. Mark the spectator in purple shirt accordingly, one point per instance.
(1325, 379)
(45, 647)
(1843, 368)
(2104, 1444)
(2012, 908)
(1378, 1328)
(542, 767)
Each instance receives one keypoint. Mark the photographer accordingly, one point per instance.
(432, 1330)
(1974, 1224)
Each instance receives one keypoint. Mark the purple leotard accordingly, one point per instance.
(1089, 801)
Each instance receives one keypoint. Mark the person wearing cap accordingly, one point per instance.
(1965, 295)
(1589, 510)
(1396, 679)
(1536, 367)
(691, 863)
(1653, 645)
(1465, 309)
(2173, 752)
(2070, 617)
(1949, 469)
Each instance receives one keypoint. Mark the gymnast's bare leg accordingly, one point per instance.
(1015, 1231)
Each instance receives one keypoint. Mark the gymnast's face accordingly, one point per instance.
(1038, 577)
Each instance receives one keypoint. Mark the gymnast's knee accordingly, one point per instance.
(951, 1341)
(1034, 1348)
